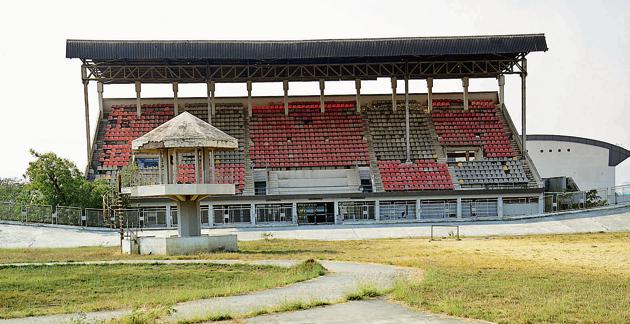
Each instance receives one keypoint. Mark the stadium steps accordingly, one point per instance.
(513, 141)
(438, 150)
(249, 173)
(376, 173)
(454, 180)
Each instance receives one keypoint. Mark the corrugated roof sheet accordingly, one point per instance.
(249, 50)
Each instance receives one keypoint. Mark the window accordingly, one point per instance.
(260, 188)
(550, 150)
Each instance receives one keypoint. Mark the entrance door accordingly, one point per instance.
(316, 213)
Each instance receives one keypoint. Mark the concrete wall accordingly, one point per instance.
(313, 181)
(586, 164)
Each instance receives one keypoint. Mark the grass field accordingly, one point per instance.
(540, 278)
(41, 290)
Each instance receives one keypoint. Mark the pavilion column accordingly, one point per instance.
(357, 85)
(212, 167)
(430, 94)
(175, 98)
(211, 104)
(139, 100)
(465, 82)
(407, 142)
(524, 108)
(285, 87)
(249, 97)
(394, 86)
(322, 86)
(501, 91)
(197, 169)
(99, 90)
(86, 102)
(205, 162)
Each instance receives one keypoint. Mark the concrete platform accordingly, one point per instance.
(180, 245)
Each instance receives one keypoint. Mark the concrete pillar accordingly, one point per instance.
(99, 90)
(418, 208)
(541, 203)
(169, 220)
(139, 100)
(500, 206)
(394, 86)
(249, 98)
(285, 87)
(524, 108)
(252, 213)
(322, 105)
(501, 90)
(377, 210)
(188, 218)
(211, 104)
(465, 82)
(338, 219)
(294, 215)
(407, 129)
(175, 98)
(197, 167)
(430, 94)
(357, 85)
(210, 215)
(88, 140)
(459, 208)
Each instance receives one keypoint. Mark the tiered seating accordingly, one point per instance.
(123, 126)
(230, 119)
(459, 103)
(490, 173)
(420, 175)
(224, 173)
(388, 132)
(478, 126)
(306, 137)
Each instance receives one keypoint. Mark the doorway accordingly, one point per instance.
(316, 213)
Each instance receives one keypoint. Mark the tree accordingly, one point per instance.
(11, 189)
(53, 180)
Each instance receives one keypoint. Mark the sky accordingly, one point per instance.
(580, 87)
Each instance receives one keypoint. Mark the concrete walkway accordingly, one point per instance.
(606, 220)
(344, 277)
(365, 311)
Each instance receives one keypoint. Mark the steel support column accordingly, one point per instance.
(322, 86)
(394, 86)
(501, 91)
(88, 141)
(524, 108)
(465, 82)
(430, 94)
(407, 142)
(211, 104)
(175, 98)
(99, 90)
(139, 100)
(285, 88)
(249, 98)
(357, 85)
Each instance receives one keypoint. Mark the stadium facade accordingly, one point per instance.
(356, 158)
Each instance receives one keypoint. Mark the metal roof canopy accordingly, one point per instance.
(153, 61)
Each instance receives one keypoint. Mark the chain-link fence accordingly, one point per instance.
(38, 213)
(69, 215)
(11, 211)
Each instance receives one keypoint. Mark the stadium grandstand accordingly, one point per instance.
(327, 159)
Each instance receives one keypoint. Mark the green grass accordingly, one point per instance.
(365, 291)
(523, 279)
(42, 290)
